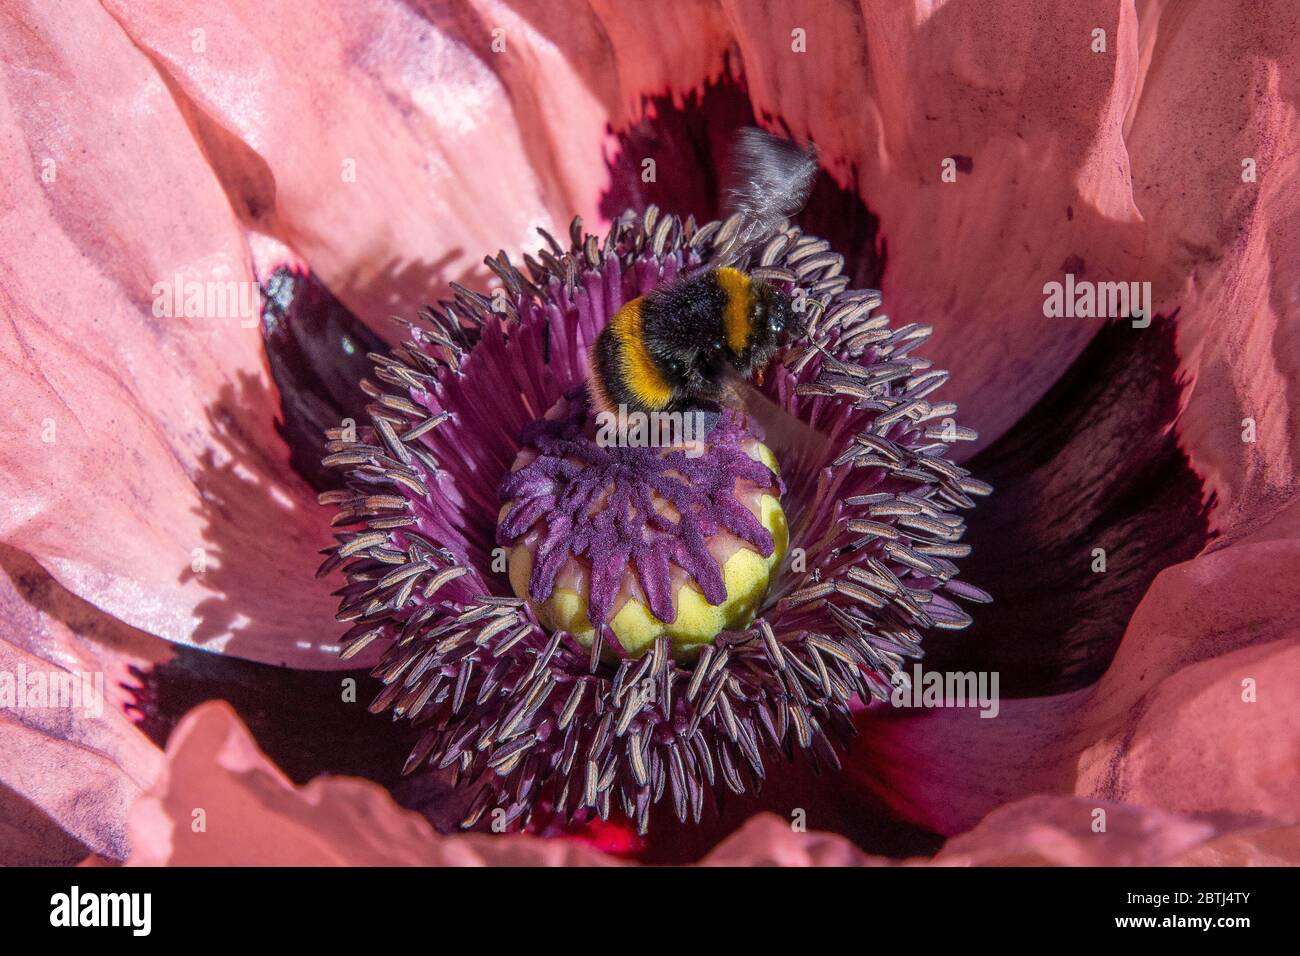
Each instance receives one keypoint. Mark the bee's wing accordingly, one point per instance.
(787, 436)
(768, 180)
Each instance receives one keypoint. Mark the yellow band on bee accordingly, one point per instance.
(640, 374)
(739, 290)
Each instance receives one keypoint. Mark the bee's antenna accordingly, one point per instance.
(768, 181)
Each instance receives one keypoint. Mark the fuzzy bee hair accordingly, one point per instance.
(685, 344)
(768, 180)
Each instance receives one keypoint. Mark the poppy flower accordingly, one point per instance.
(167, 424)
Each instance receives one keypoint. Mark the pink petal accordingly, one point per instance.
(1034, 121)
(1212, 632)
(68, 774)
(1167, 726)
(164, 428)
(460, 150)
(1224, 250)
(767, 840)
(1259, 846)
(457, 150)
(141, 447)
(253, 815)
(1073, 831)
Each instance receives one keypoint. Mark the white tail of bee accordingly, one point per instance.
(768, 181)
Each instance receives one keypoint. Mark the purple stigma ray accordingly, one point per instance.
(603, 510)
(531, 719)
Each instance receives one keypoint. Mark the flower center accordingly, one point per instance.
(625, 541)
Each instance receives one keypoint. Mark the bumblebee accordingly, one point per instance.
(682, 346)
(685, 345)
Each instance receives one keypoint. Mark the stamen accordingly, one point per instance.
(526, 714)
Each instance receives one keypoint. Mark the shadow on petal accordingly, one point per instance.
(1196, 713)
(1094, 465)
(71, 761)
(398, 132)
(688, 137)
(113, 384)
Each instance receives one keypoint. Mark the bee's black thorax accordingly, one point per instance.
(683, 316)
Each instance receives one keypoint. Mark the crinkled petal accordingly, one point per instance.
(767, 840)
(1031, 119)
(68, 773)
(1074, 831)
(1215, 167)
(253, 815)
(143, 464)
(390, 146)
(447, 136)
(1168, 725)
(1099, 164)
(1196, 712)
